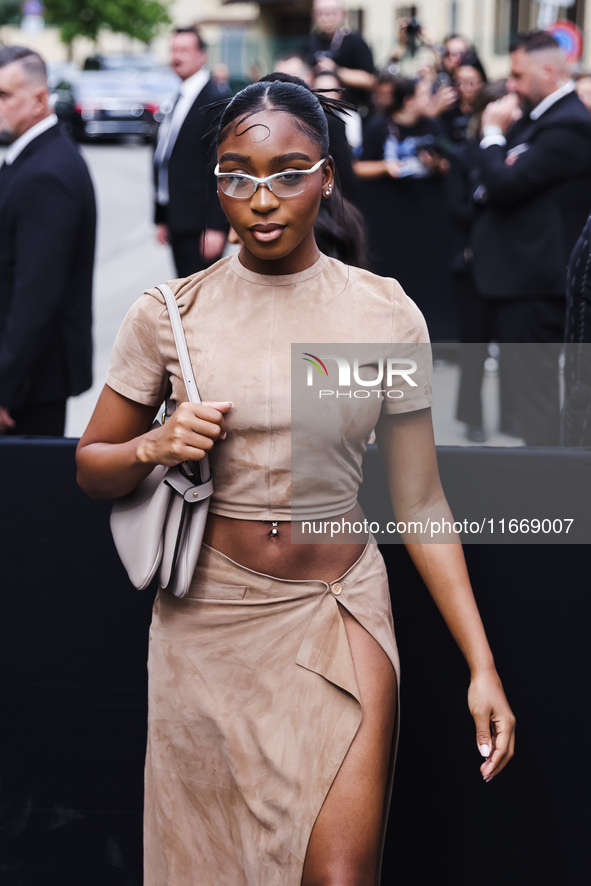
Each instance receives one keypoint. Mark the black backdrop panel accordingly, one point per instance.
(72, 681)
(73, 638)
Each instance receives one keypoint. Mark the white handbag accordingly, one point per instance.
(160, 525)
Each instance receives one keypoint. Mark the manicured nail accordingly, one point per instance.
(484, 749)
(224, 435)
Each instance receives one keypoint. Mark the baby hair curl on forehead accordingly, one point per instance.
(282, 92)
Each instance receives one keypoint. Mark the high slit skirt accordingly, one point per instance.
(253, 704)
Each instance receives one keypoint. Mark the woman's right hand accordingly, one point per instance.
(116, 452)
(187, 435)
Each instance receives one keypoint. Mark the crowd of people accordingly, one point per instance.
(470, 192)
(452, 183)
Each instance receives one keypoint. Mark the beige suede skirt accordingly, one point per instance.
(253, 704)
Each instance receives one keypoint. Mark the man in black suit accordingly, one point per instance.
(576, 413)
(532, 201)
(188, 214)
(47, 238)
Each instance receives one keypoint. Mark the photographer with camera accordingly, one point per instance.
(415, 48)
(335, 48)
(401, 194)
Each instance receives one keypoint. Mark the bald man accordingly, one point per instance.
(47, 237)
(334, 47)
(532, 199)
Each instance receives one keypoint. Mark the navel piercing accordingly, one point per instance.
(273, 531)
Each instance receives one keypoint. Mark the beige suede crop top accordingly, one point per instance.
(264, 342)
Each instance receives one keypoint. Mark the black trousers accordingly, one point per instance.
(475, 331)
(530, 332)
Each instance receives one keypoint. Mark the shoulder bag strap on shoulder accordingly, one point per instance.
(181, 343)
(184, 360)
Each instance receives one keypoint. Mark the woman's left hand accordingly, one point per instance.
(495, 722)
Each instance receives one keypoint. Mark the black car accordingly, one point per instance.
(109, 104)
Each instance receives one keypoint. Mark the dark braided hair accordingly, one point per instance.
(282, 92)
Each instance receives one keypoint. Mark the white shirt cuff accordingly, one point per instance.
(492, 135)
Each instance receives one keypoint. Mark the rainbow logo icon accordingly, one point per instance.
(569, 37)
(317, 362)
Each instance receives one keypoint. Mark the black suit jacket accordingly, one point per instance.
(533, 209)
(194, 204)
(576, 412)
(47, 239)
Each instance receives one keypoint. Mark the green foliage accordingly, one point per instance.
(10, 12)
(140, 19)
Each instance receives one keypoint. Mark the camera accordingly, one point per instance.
(442, 80)
(413, 33)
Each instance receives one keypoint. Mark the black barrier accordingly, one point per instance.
(73, 636)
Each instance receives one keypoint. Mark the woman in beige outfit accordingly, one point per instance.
(274, 683)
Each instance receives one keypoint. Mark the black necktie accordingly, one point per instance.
(3, 170)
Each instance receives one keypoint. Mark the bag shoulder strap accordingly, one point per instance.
(181, 343)
(185, 363)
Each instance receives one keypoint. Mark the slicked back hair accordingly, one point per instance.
(534, 41)
(201, 44)
(31, 62)
(279, 92)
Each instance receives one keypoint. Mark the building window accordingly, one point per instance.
(506, 24)
(512, 16)
(408, 11)
(233, 50)
(453, 17)
(355, 19)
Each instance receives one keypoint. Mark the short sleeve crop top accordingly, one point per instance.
(240, 327)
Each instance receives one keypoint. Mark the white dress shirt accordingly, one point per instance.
(551, 99)
(171, 125)
(22, 141)
(493, 135)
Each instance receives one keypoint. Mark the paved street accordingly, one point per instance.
(129, 260)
